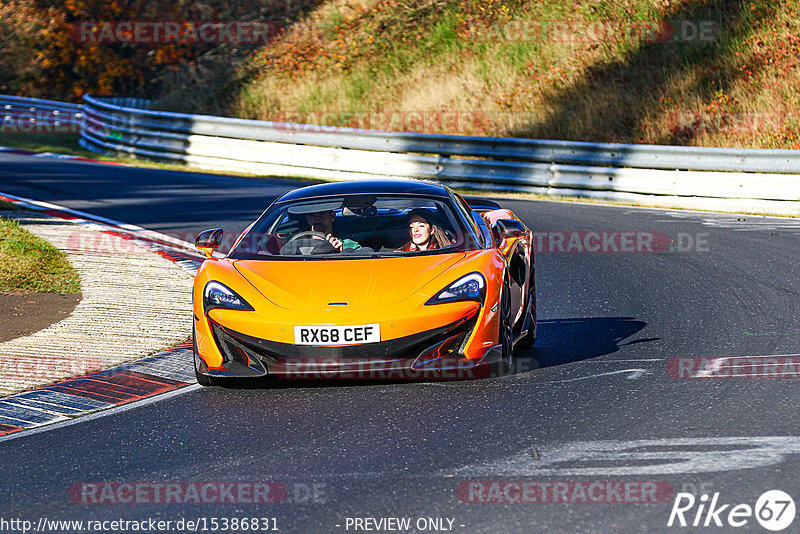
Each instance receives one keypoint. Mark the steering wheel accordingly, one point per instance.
(306, 244)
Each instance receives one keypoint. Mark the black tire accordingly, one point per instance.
(529, 339)
(505, 336)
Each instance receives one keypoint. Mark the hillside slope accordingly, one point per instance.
(714, 73)
(687, 72)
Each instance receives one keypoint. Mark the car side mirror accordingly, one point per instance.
(508, 229)
(209, 240)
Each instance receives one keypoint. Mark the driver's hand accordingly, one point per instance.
(336, 242)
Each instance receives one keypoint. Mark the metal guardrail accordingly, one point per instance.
(37, 103)
(19, 114)
(629, 172)
(715, 178)
(534, 150)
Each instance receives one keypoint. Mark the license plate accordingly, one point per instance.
(337, 335)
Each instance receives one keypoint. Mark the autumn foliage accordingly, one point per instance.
(683, 72)
(40, 55)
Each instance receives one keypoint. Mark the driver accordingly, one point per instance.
(322, 221)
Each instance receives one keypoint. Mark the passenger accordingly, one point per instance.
(322, 221)
(424, 234)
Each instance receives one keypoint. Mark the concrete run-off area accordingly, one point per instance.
(135, 302)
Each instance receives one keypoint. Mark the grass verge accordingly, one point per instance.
(29, 263)
(9, 206)
(67, 144)
(45, 142)
(60, 144)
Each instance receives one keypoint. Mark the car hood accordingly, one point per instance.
(359, 283)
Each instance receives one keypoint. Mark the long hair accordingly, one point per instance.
(438, 237)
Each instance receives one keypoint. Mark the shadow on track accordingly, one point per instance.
(561, 341)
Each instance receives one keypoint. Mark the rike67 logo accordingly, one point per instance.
(774, 510)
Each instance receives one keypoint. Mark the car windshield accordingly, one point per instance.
(356, 225)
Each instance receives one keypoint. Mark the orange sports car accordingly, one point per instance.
(384, 279)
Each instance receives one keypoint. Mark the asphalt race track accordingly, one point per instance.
(608, 402)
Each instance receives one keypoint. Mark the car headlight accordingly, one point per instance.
(469, 287)
(217, 295)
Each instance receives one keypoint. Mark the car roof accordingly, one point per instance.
(397, 186)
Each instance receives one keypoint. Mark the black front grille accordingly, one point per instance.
(239, 345)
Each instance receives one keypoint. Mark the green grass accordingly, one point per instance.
(44, 142)
(28, 263)
(9, 206)
(59, 144)
(64, 144)
(358, 88)
(329, 24)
